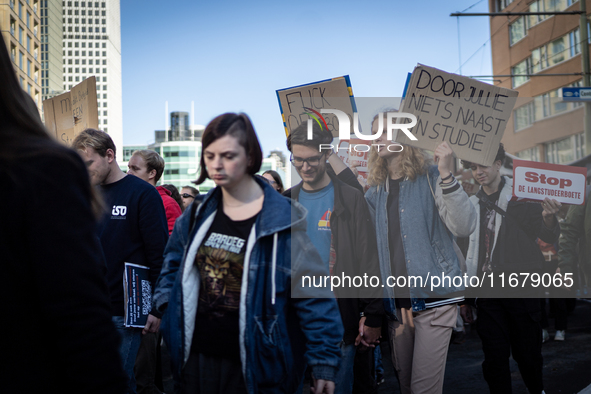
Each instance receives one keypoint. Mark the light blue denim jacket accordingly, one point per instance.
(282, 327)
(428, 225)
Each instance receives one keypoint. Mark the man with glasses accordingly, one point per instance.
(340, 228)
(188, 194)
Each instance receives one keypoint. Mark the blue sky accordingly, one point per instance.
(233, 55)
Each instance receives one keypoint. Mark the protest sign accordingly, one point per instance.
(297, 104)
(137, 290)
(470, 115)
(68, 114)
(535, 181)
(355, 152)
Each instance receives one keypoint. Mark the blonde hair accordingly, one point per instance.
(413, 161)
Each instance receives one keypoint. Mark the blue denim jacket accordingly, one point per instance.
(279, 333)
(428, 225)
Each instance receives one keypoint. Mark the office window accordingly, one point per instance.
(29, 68)
(531, 154)
(521, 70)
(518, 30)
(104, 62)
(539, 59)
(104, 87)
(77, 79)
(20, 10)
(557, 51)
(104, 44)
(104, 113)
(104, 79)
(97, 53)
(28, 43)
(20, 60)
(20, 35)
(105, 104)
(574, 40)
(523, 116)
(565, 150)
(28, 19)
(104, 53)
(104, 70)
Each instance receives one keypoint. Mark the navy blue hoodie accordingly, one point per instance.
(133, 230)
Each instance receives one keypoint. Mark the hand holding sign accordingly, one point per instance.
(551, 208)
(444, 159)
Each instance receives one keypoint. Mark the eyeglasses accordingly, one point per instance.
(313, 161)
(187, 195)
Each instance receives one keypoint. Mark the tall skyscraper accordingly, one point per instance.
(51, 48)
(19, 20)
(92, 47)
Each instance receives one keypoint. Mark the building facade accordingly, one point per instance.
(525, 49)
(92, 47)
(52, 75)
(180, 147)
(20, 23)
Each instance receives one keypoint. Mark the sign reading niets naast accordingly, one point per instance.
(469, 115)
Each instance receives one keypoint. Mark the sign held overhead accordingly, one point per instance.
(470, 115)
(68, 114)
(300, 103)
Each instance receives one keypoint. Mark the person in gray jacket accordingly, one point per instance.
(418, 210)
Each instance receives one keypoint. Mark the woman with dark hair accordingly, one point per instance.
(175, 195)
(235, 323)
(59, 337)
(275, 180)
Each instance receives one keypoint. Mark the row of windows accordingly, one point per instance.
(83, 29)
(543, 106)
(77, 70)
(83, 21)
(77, 53)
(84, 4)
(83, 12)
(565, 150)
(548, 55)
(519, 28)
(83, 44)
(83, 62)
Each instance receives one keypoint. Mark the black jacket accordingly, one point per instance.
(356, 253)
(57, 334)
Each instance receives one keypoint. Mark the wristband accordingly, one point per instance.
(447, 177)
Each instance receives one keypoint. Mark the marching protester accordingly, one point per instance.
(57, 335)
(237, 319)
(574, 254)
(132, 230)
(148, 165)
(188, 193)
(417, 211)
(275, 180)
(176, 196)
(340, 228)
(505, 241)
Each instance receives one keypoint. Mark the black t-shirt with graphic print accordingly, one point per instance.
(220, 260)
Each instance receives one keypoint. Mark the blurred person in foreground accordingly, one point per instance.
(237, 319)
(57, 334)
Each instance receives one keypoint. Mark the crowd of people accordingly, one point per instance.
(227, 268)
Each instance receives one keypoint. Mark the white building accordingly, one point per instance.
(92, 47)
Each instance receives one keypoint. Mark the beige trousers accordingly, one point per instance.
(419, 343)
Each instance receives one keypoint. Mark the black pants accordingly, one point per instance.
(212, 375)
(511, 326)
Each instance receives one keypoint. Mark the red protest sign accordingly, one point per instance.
(535, 181)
